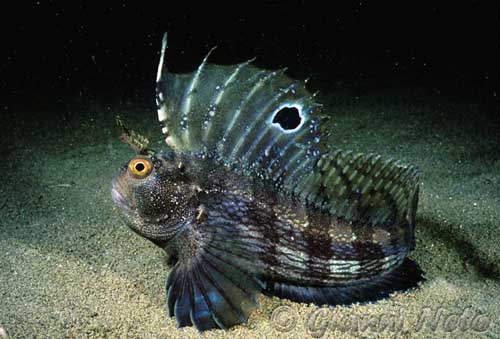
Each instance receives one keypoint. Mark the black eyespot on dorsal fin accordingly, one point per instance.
(252, 119)
(262, 122)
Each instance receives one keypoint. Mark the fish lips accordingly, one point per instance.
(118, 198)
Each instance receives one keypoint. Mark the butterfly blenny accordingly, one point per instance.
(247, 199)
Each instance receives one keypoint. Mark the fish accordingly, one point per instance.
(248, 198)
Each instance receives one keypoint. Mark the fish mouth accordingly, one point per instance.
(118, 197)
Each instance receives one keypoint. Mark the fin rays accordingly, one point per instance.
(406, 276)
(219, 97)
(227, 111)
(207, 292)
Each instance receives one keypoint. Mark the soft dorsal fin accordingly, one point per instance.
(230, 112)
(360, 187)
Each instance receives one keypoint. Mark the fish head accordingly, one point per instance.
(156, 195)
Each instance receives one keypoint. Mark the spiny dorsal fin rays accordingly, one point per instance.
(168, 94)
(161, 66)
(210, 133)
(191, 135)
(233, 131)
(261, 118)
(167, 98)
(162, 116)
(228, 111)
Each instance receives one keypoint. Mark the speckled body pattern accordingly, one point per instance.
(245, 206)
(276, 236)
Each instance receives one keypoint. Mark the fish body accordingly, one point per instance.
(246, 201)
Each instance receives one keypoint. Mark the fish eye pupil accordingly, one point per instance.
(139, 167)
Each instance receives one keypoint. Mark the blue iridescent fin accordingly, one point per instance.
(208, 293)
(408, 275)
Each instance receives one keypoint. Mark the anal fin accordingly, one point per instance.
(406, 276)
(209, 293)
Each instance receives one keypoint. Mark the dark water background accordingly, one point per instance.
(85, 50)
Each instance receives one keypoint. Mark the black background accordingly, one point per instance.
(65, 48)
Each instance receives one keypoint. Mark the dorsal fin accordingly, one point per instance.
(230, 111)
(360, 187)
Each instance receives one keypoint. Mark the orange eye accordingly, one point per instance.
(140, 167)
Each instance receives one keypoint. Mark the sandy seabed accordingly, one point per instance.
(69, 268)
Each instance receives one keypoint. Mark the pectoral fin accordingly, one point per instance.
(209, 293)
